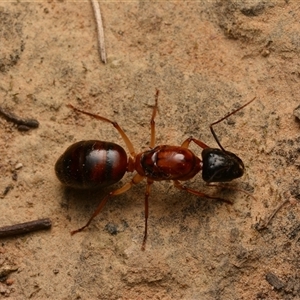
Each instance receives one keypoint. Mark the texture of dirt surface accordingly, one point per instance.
(206, 58)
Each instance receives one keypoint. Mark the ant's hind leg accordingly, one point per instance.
(115, 124)
(135, 180)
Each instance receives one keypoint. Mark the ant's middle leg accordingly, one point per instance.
(147, 193)
(115, 124)
(152, 122)
(135, 180)
(180, 186)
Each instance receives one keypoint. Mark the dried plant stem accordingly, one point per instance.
(97, 13)
(22, 228)
(275, 212)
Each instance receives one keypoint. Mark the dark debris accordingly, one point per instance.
(274, 281)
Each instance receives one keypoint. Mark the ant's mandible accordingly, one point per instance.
(95, 164)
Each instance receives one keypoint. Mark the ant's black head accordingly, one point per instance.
(221, 166)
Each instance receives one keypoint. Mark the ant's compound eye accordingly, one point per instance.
(221, 166)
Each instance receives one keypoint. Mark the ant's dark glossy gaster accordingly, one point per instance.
(95, 164)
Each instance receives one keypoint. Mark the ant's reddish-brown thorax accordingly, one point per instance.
(168, 163)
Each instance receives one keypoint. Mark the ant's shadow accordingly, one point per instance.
(79, 205)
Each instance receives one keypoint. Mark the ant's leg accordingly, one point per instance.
(180, 186)
(149, 182)
(187, 142)
(225, 186)
(115, 124)
(147, 193)
(152, 122)
(222, 119)
(135, 180)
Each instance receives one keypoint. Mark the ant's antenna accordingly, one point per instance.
(228, 115)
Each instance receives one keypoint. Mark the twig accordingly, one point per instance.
(275, 212)
(97, 13)
(265, 223)
(27, 227)
(23, 124)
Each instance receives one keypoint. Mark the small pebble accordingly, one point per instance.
(18, 166)
(9, 281)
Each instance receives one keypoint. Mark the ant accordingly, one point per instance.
(96, 164)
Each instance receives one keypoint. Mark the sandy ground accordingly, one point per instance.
(206, 58)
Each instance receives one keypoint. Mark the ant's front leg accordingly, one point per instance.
(180, 186)
(187, 142)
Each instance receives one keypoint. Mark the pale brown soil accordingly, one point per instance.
(206, 58)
